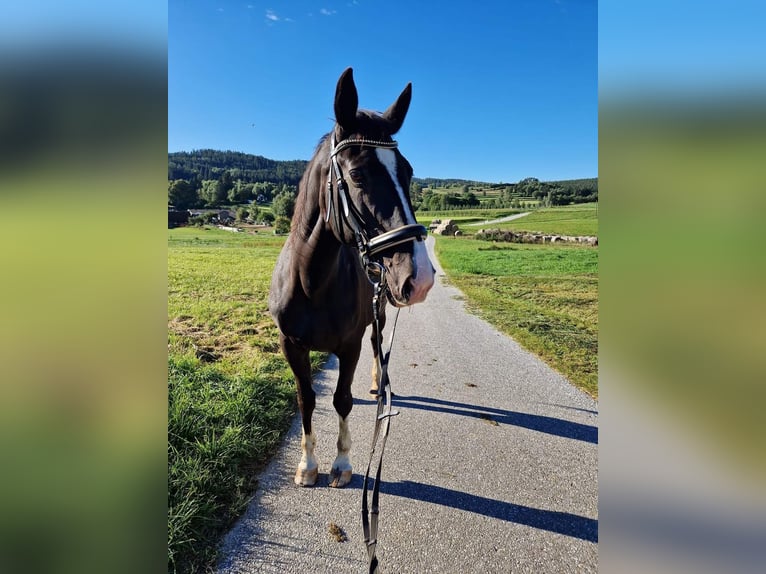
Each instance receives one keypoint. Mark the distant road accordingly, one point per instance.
(501, 220)
(491, 466)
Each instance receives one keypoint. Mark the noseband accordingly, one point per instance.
(346, 213)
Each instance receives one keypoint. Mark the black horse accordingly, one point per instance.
(343, 231)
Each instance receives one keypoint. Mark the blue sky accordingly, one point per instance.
(501, 90)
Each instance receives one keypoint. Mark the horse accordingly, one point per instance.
(343, 234)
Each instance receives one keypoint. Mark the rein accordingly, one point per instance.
(346, 213)
(382, 419)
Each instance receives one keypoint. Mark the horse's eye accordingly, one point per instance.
(356, 176)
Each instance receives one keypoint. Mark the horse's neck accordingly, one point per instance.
(322, 258)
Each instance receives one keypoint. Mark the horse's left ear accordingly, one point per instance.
(395, 114)
(346, 101)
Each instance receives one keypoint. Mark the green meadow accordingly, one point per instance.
(579, 219)
(543, 296)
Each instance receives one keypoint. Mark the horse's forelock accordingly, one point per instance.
(369, 125)
(373, 125)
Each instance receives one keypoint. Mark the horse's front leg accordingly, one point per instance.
(298, 358)
(340, 474)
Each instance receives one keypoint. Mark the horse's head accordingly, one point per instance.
(368, 192)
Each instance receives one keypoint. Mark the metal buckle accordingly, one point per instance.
(375, 272)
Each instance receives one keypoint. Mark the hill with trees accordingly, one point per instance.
(211, 164)
(211, 178)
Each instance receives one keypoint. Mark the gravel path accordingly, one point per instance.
(490, 467)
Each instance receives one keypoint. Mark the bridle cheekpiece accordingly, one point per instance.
(346, 213)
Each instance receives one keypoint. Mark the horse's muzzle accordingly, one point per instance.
(414, 288)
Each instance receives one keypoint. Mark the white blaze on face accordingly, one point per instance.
(424, 271)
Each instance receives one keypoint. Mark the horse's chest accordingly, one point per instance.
(325, 323)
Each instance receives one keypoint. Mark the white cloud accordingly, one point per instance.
(270, 15)
(326, 12)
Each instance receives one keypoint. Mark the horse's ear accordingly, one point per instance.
(395, 114)
(346, 101)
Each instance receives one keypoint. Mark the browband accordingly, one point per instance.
(362, 142)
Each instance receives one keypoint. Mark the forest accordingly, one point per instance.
(207, 164)
(210, 178)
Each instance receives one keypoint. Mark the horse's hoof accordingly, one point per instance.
(340, 478)
(306, 477)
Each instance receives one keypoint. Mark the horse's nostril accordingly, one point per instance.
(407, 289)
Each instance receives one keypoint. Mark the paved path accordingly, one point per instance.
(501, 220)
(490, 467)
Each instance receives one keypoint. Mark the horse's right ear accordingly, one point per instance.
(346, 101)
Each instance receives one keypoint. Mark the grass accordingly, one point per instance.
(230, 392)
(221, 428)
(545, 297)
(218, 286)
(579, 219)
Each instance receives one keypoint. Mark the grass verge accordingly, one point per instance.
(545, 297)
(230, 392)
(221, 428)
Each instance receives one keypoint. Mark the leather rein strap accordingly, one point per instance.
(347, 214)
(382, 419)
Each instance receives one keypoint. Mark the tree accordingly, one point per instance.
(284, 204)
(470, 199)
(210, 193)
(240, 192)
(225, 183)
(182, 194)
(282, 225)
(254, 212)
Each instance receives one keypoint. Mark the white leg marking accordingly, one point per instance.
(374, 386)
(340, 475)
(308, 468)
(343, 460)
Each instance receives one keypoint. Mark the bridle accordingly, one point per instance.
(346, 213)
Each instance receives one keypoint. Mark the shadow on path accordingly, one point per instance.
(564, 523)
(550, 520)
(540, 423)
